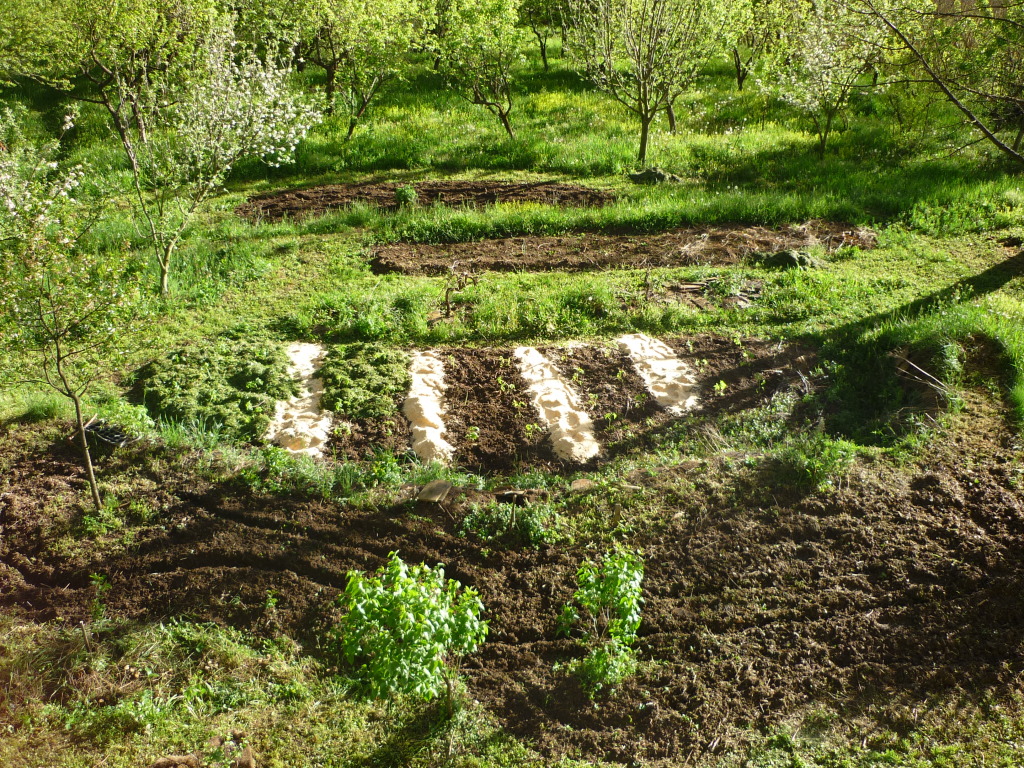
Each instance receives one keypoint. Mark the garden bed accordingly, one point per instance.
(719, 246)
(312, 201)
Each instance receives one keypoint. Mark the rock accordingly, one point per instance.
(244, 760)
(583, 484)
(436, 491)
(654, 176)
(790, 259)
(177, 761)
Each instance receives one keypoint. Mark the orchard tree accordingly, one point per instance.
(645, 53)
(764, 29)
(823, 56)
(68, 311)
(543, 17)
(481, 44)
(184, 99)
(362, 45)
(193, 130)
(972, 53)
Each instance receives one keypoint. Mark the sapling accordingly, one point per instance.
(406, 629)
(68, 310)
(607, 604)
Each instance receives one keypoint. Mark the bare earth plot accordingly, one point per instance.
(894, 587)
(721, 245)
(311, 201)
(491, 419)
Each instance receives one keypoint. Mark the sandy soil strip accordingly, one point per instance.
(299, 425)
(424, 408)
(572, 431)
(668, 378)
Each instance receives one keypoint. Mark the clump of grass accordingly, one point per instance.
(233, 383)
(361, 381)
(531, 525)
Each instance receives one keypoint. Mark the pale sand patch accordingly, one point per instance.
(668, 378)
(424, 408)
(299, 425)
(558, 405)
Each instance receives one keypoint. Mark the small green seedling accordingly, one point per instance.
(607, 604)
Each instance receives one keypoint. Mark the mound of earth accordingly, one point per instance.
(300, 203)
(721, 245)
(758, 603)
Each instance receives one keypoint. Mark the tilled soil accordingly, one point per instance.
(756, 606)
(311, 201)
(721, 245)
(491, 423)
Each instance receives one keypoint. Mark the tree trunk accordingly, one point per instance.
(741, 70)
(671, 117)
(332, 76)
(503, 115)
(542, 40)
(645, 134)
(164, 257)
(1020, 136)
(86, 457)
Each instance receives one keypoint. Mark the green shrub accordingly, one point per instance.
(406, 195)
(405, 629)
(608, 603)
(234, 383)
(361, 381)
(814, 460)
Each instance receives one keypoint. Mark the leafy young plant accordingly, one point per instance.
(607, 603)
(406, 629)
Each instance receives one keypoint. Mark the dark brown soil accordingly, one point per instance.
(720, 245)
(493, 427)
(300, 203)
(758, 603)
(361, 438)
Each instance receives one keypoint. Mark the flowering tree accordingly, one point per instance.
(186, 101)
(823, 56)
(65, 308)
(645, 53)
(481, 44)
(192, 132)
(362, 45)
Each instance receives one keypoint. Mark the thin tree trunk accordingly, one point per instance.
(504, 117)
(1020, 136)
(670, 109)
(741, 71)
(645, 134)
(542, 40)
(86, 457)
(332, 76)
